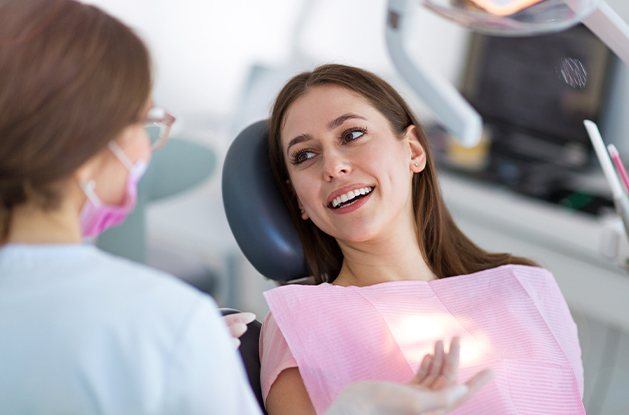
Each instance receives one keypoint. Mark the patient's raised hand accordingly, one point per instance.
(433, 391)
(440, 370)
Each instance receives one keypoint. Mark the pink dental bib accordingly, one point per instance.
(513, 319)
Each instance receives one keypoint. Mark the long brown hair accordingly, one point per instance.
(71, 78)
(445, 248)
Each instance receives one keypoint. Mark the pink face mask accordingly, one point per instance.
(96, 216)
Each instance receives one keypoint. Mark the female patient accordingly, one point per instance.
(394, 273)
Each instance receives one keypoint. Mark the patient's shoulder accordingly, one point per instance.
(531, 277)
(526, 269)
(526, 275)
(518, 270)
(269, 326)
(272, 340)
(275, 355)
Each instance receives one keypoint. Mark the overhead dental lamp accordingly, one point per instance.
(494, 17)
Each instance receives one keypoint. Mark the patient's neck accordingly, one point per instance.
(395, 256)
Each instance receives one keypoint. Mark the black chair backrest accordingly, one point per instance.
(256, 213)
(261, 224)
(249, 352)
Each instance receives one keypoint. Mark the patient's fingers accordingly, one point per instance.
(436, 365)
(450, 371)
(451, 368)
(422, 372)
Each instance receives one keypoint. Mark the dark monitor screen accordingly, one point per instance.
(544, 85)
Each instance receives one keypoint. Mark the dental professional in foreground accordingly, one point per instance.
(84, 332)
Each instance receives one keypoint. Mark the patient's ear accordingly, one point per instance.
(417, 152)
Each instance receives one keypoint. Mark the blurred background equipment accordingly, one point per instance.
(533, 116)
(496, 17)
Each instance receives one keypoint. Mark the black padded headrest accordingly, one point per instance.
(256, 213)
(250, 353)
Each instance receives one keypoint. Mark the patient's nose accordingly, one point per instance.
(335, 165)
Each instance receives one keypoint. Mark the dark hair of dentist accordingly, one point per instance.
(84, 332)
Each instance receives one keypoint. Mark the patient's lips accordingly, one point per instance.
(349, 198)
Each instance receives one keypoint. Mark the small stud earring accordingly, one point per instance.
(416, 164)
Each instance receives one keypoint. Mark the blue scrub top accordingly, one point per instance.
(83, 332)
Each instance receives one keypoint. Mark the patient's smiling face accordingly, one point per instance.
(350, 171)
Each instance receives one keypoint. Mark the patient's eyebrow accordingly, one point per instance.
(340, 120)
(299, 139)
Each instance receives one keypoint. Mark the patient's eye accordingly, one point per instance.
(301, 156)
(352, 134)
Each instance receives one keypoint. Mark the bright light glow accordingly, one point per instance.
(514, 17)
(417, 334)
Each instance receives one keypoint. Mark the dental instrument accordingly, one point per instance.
(621, 201)
(620, 168)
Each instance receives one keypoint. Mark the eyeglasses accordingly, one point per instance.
(158, 124)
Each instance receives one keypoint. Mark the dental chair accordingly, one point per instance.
(261, 225)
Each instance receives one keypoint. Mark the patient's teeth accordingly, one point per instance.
(349, 196)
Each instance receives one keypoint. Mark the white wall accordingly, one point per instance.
(352, 32)
(203, 49)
